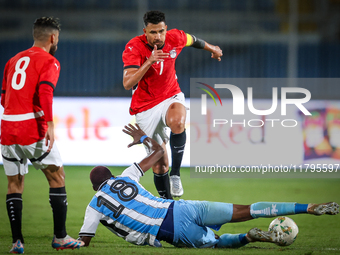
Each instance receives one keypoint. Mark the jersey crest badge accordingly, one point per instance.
(173, 53)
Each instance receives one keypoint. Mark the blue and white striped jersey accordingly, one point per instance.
(126, 209)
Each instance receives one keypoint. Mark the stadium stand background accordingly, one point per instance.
(259, 39)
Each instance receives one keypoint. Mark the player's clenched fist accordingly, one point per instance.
(217, 54)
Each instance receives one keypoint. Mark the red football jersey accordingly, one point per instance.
(23, 121)
(160, 81)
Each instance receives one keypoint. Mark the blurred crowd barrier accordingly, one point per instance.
(259, 38)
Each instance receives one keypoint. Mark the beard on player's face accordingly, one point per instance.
(156, 40)
(53, 49)
(159, 43)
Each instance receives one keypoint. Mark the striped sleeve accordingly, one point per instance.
(91, 222)
(134, 172)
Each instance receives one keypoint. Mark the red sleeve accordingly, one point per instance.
(3, 89)
(180, 36)
(46, 100)
(50, 73)
(131, 56)
(47, 81)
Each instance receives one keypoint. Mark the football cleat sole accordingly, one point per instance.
(258, 235)
(331, 208)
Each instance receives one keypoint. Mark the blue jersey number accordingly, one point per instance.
(117, 210)
(124, 190)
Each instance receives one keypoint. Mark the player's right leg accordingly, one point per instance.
(15, 166)
(51, 165)
(215, 213)
(175, 119)
(151, 123)
(161, 176)
(58, 200)
(273, 209)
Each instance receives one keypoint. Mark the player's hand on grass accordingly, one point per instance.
(158, 55)
(217, 53)
(135, 132)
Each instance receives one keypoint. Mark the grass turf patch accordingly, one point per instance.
(317, 234)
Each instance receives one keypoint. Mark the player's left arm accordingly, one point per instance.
(90, 225)
(198, 43)
(46, 99)
(155, 151)
(48, 79)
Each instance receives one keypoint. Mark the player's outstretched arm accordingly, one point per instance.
(154, 149)
(198, 43)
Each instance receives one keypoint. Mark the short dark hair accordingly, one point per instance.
(153, 17)
(44, 26)
(98, 175)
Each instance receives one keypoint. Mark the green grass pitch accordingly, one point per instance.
(317, 235)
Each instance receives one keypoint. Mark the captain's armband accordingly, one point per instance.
(195, 42)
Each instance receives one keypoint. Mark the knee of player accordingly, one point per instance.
(55, 176)
(160, 168)
(177, 125)
(15, 187)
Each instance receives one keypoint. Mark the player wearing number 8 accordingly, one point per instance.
(27, 129)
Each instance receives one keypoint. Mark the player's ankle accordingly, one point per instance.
(309, 208)
(249, 239)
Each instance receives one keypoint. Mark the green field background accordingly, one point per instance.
(317, 234)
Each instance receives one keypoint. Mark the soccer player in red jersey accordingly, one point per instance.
(27, 130)
(157, 100)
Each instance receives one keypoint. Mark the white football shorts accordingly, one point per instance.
(15, 157)
(152, 121)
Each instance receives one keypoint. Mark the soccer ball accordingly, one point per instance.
(287, 227)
